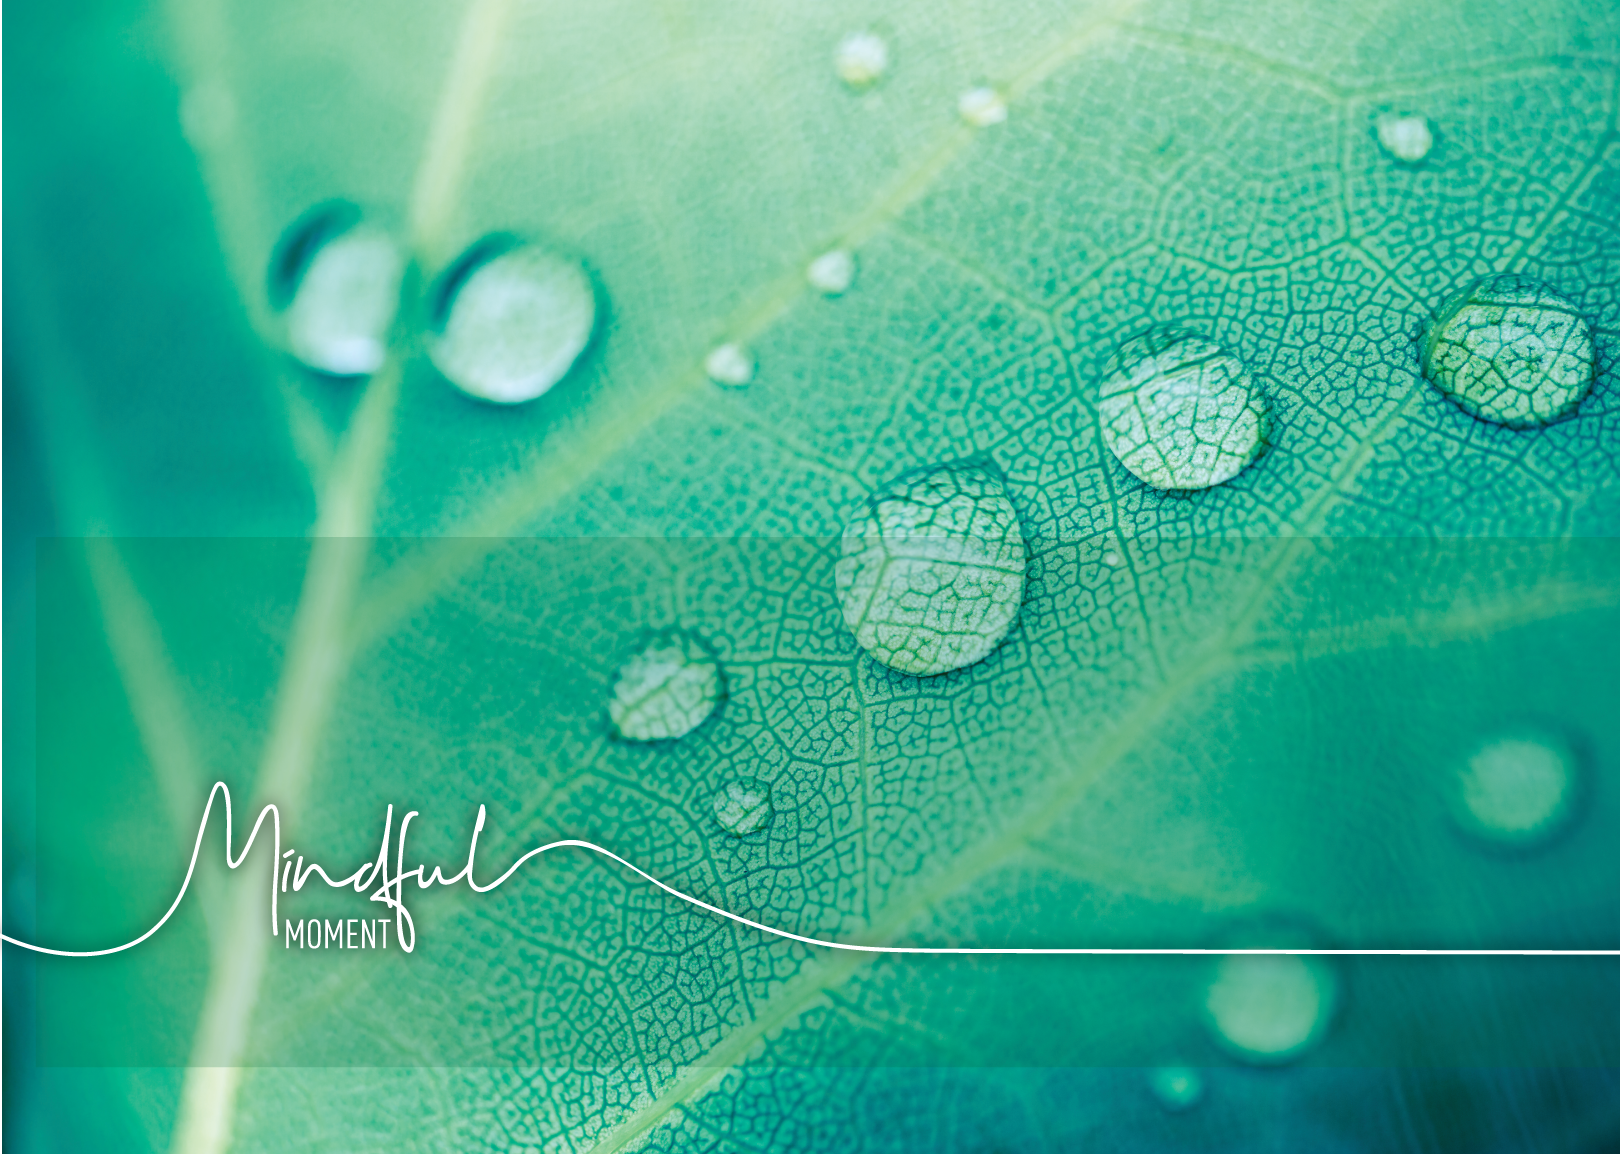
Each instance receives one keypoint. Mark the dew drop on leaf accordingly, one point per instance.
(861, 59)
(730, 365)
(1270, 1007)
(665, 691)
(1177, 1088)
(1509, 349)
(743, 806)
(832, 272)
(932, 570)
(338, 279)
(512, 325)
(1406, 138)
(981, 107)
(1179, 411)
(1517, 788)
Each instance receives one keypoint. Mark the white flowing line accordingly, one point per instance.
(787, 935)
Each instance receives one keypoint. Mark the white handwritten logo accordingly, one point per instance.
(390, 890)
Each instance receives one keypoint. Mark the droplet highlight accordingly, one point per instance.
(665, 691)
(1405, 137)
(1511, 350)
(1180, 412)
(511, 325)
(338, 280)
(1177, 1088)
(730, 365)
(1517, 789)
(862, 59)
(981, 107)
(832, 273)
(743, 806)
(1270, 1007)
(931, 572)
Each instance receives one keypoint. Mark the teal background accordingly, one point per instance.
(1244, 731)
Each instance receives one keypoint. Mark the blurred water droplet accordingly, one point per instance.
(1510, 349)
(1407, 138)
(1179, 411)
(1177, 1087)
(207, 114)
(982, 107)
(832, 272)
(730, 365)
(1270, 1007)
(1517, 789)
(338, 279)
(743, 806)
(861, 59)
(513, 323)
(932, 570)
(665, 691)
(1112, 559)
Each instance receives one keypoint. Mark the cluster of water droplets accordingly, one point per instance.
(932, 567)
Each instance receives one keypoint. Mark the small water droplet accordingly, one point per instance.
(743, 806)
(207, 114)
(1518, 788)
(1179, 411)
(338, 279)
(665, 691)
(832, 272)
(1177, 1087)
(982, 107)
(1510, 349)
(861, 58)
(511, 321)
(1112, 559)
(932, 570)
(1405, 137)
(730, 365)
(1270, 1007)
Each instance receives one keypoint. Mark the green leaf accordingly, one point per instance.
(1222, 716)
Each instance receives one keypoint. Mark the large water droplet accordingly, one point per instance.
(861, 59)
(1179, 411)
(1177, 1087)
(1406, 138)
(512, 324)
(832, 272)
(743, 806)
(981, 107)
(932, 570)
(1517, 789)
(1509, 349)
(730, 365)
(338, 280)
(665, 691)
(1270, 1007)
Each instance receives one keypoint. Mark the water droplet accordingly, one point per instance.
(511, 321)
(982, 107)
(1509, 349)
(743, 806)
(730, 365)
(1517, 789)
(1112, 559)
(338, 280)
(665, 691)
(1405, 137)
(861, 59)
(932, 570)
(1179, 411)
(832, 272)
(1177, 1087)
(1270, 1007)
